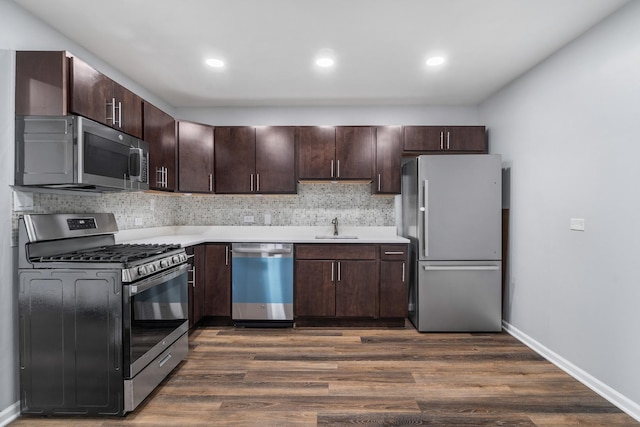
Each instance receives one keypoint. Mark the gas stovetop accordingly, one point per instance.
(121, 253)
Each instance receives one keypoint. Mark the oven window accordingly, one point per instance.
(104, 157)
(156, 313)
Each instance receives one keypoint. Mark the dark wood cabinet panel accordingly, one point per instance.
(330, 285)
(41, 83)
(276, 159)
(314, 288)
(196, 283)
(445, 139)
(96, 96)
(217, 294)
(195, 157)
(91, 93)
(235, 159)
(354, 152)
(393, 289)
(160, 133)
(387, 178)
(129, 110)
(357, 289)
(316, 152)
(467, 138)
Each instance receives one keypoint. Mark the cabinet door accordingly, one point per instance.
(354, 152)
(466, 139)
(393, 289)
(275, 159)
(424, 138)
(129, 111)
(357, 289)
(91, 92)
(316, 152)
(388, 173)
(196, 283)
(195, 157)
(160, 134)
(235, 160)
(41, 83)
(217, 293)
(315, 293)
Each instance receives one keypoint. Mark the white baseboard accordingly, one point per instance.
(9, 414)
(624, 403)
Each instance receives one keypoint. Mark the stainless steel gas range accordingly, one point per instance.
(101, 324)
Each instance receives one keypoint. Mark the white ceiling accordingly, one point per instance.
(269, 46)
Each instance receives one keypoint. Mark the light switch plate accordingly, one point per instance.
(576, 224)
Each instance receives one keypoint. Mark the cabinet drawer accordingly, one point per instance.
(338, 251)
(393, 252)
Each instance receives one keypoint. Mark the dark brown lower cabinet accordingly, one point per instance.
(196, 283)
(393, 281)
(336, 281)
(217, 293)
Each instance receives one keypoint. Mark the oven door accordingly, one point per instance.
(155, 312)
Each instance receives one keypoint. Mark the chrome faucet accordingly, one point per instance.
(334, 221)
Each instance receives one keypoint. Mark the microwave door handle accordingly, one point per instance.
(135, 163)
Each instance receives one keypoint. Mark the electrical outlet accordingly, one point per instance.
(137, 221)
(267, 219)
(576, 224)
(248, 218)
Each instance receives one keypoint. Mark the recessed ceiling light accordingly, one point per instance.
(434, 61)
(325, 58)
(215, 63)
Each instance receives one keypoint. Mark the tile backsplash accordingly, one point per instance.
(315, 204)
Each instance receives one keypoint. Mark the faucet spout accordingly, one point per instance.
(334, 221)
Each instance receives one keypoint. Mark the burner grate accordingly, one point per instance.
(122, 253)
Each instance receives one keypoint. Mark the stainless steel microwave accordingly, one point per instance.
(73, 152)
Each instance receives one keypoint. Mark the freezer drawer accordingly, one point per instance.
(459, 296)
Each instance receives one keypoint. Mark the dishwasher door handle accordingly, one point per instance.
(262, 251)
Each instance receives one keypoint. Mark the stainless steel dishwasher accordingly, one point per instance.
(262, 284)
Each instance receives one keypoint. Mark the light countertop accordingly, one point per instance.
(193, 235)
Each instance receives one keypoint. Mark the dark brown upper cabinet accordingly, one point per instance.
(160, 133)
(252, 160)
(99, 98)
(387, 178)
(56, 83)
(195, 157)
(445, 139)
(334, 153)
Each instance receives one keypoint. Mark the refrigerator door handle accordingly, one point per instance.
(462, 267)
(425, 218)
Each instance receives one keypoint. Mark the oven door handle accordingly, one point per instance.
(158, 279)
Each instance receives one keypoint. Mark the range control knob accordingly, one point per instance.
(175, 259)
(164, 263)
(142, 270)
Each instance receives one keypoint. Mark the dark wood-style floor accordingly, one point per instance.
(341, 376)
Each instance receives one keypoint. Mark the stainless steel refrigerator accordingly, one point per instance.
(451, 213)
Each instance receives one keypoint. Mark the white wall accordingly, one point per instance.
(569, 131)
(370, 115)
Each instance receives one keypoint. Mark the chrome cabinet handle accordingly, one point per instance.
(403, 272)
(379, 186)
(251, 183)
(338, 169)
(112, 104)
(448, 139)
(210, 182)
(332, 271)
(331, 168)
(442, 140)
(119, 114)
(257, 182)
(339, 275)
(226, 255)
(393, 252)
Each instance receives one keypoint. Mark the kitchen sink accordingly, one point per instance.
(339, 236)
